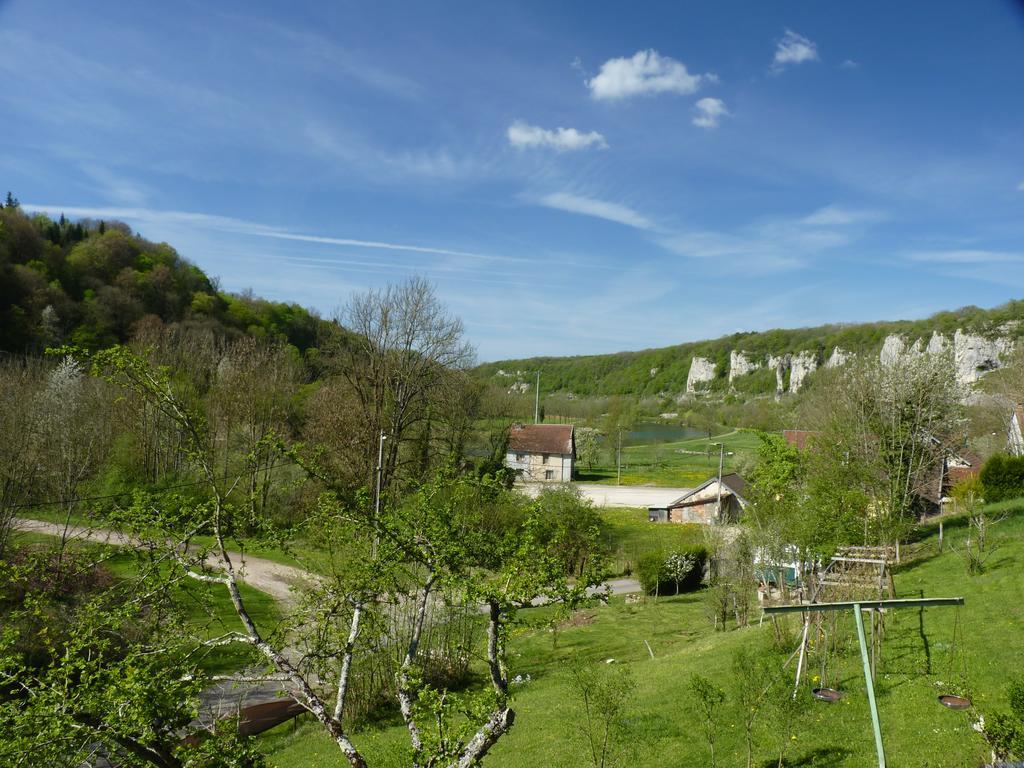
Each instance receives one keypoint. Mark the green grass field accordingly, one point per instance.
(663, 730)
(628, 534)
(664, 464)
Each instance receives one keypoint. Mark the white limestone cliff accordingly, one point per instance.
(974, 356)
(701, 370)
(740, 364)
(838, 357)
(801, 365)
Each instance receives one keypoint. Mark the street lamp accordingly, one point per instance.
(721, 462)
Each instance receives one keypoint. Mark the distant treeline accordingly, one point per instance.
(655, 371)
(96, 283)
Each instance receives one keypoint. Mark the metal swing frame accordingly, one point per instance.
(858, 606)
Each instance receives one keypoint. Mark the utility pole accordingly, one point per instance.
(536, 401)
(380, 474)
(721, 461)
(618, 460)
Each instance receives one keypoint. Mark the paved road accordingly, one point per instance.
(619, 495)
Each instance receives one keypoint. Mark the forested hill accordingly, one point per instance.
(95, 283)
(665, 370)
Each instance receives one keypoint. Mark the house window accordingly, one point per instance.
(544, 458)
(520, 457)
(549, 474)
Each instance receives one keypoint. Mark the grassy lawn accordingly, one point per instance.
(208, 610)
(684, 463)
(628, 535)
(663, 729)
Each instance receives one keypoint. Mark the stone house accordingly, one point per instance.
(701, 505)
(542, 453)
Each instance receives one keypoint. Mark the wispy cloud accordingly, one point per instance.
(776, 244)
(850, 64)
(1020, 187)
(381, 164)
(834, 215)
(243, 227)
(522, 134)
(645, 72)
(710, 111)
(793, 48)
(965, 256)
(601, 209)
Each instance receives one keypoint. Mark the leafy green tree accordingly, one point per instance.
(105, 672)
(707, 699)
(1002, 477)
(604, 694)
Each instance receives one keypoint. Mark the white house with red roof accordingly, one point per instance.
(543, 453)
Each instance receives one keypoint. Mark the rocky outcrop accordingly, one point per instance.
(740, 364)
(892, 349)
(972, 355)
(937, 344)
(780, 364)
(838, 357)
(975, 355)
(702, 370)
(801, 365)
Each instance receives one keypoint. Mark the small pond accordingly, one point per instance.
(646, 433)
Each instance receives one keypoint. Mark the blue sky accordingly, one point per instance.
(574, 177)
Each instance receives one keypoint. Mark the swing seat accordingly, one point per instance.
(950, 701)
(827, 694)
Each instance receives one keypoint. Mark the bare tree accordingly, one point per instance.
(404, 347)
(74, 427)
(20, 443)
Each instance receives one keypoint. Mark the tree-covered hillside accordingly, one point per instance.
(664, 370)
(95, 283)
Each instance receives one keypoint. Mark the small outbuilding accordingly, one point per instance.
(544, 453)
(712, 501)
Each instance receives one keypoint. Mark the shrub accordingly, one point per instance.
(678, 571)
(1002, 478)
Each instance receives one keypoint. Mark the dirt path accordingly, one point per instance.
(265, 575)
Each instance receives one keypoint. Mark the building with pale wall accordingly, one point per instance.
(542, 453)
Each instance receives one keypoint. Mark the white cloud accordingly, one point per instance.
(646, 72)
(711, 110)
(793, 48)
(1020, 187)
(601, 209)
(964, 256)
(834, 215)
(522, 134)
(850, 64)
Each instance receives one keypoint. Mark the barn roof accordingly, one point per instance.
(732, 484)
(541, 438)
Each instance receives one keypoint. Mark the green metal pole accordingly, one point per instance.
(870, 685)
